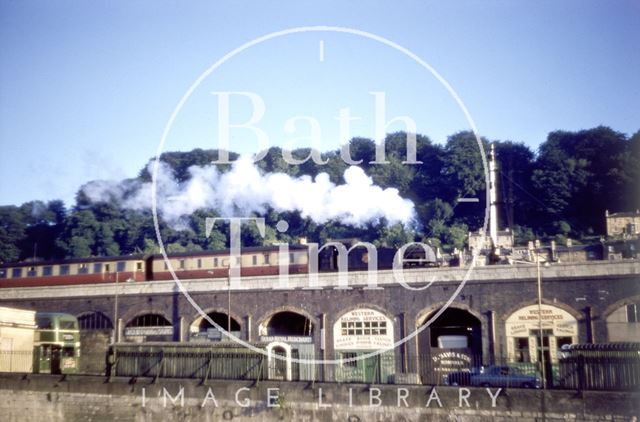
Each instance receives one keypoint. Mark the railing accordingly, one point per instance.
(593, 369)
(202, 364)
(578, 370)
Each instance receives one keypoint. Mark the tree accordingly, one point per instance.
(12, 230)
(581, 174)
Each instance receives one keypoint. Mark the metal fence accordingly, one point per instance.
(575, 370)
(593, 369)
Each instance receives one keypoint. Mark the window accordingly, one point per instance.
(364, 328)
(64, 269)
(149, 320)
(182, 264)
(632, 313)
(47, 271)
(107, 268)
(291, 260)
(97, 268)
(32, 272)
(3, 273)
(120, 266)
(521, 349)
(199, 263)
(215, 262)
(94, 321)
(139, 266)
(266, 258)
(44, 323)
(254, 259)
(83, 269)
(16, 272)
(352, 363)
(68, 325)
(562, 341)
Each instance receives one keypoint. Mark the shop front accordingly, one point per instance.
(363, 343)
(525, 341)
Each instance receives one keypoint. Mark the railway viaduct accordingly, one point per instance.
(589, 301)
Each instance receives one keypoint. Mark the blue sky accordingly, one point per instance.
(86, 88)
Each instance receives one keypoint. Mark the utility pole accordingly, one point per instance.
(541, 336)
(229, 300)
(115, 313)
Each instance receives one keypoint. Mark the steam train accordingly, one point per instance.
(253, 261)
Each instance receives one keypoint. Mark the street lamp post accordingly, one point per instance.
(540, 339)
(115, 312)
(541, 336)
(229, 300)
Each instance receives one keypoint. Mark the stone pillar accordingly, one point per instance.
(491, 323)
(323, 346)
(402, 351)
(247, 327)
(588, 321)
(183, 333)
(119, 330)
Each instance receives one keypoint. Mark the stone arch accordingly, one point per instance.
(130, 318)
(196, 319)
(429, 358)
(623, 324)
(618, 304)
(149, 326)
(94, 320)
(267, 317)
(367, 305)
(533, 336)
(275, 365)
(421, 316)
(561, 305)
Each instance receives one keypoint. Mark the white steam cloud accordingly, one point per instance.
(245, 189)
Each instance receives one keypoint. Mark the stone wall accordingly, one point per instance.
(83, 398)
(93, 344)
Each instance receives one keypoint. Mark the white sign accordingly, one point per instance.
(287, 339)
(522, 321)
(148, 331)
(363, 329)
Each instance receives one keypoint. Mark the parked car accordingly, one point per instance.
(504, 376)
(493, 376)
(460, 377)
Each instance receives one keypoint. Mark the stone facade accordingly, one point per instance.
(623, 224)
(589, 292)
(90, 398)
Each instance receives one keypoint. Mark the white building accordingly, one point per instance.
(17, 330)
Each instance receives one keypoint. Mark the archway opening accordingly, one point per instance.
(525, 341)
(455, 329)
(149, 327)
(623, 324)
(289, 323)
(202, 329)
(451, 343)
(96, 332)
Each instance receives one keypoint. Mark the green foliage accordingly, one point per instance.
(560, 192)
(395, 236)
